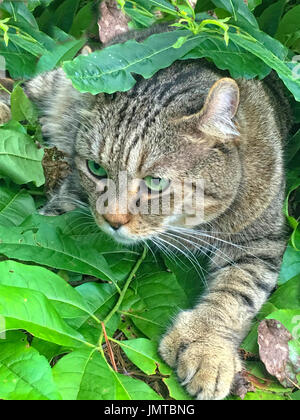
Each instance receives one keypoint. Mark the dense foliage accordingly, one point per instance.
(82, 315)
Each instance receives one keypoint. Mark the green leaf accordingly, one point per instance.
(163, 5)
(143, 353)
(32, 311)
(250, 342)
(293, 146)
(290, 266)
(64, 14)
(101, 298)
(176, 391)
(20, 159)
(22, 108)
(252, 4)
(238, 9)
(58, 55)
(67, 302)
(15, 206)
(25, 375)
(289, 24)
(85, 375)
(19, 12)
(270, 18)
(152, 299)
(284, 71)
(48, 246)
(83, 20)
(110, 69)
(295, 396)
(287, 296)
(204, 6)
(263, 396)
(237, 60)
(46, 349)
(289, 318)
(19, 63)
(31, 45)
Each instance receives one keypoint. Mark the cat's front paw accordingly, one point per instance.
(205, 362)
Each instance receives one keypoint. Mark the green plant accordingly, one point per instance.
(80, 337)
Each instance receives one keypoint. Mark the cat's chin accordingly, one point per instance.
(121, 239)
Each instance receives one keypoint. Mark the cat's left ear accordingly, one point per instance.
(220, 108)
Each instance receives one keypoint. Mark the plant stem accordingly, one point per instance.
(128, 281)
(124, 290)
(5, 90)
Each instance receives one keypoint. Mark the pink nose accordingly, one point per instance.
(117, 220)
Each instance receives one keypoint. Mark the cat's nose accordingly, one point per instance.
(117, 220)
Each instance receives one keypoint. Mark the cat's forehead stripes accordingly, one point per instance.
(129, 126)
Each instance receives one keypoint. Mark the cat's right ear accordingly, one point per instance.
(220, 108)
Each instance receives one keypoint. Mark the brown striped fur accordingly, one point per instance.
(188, 120)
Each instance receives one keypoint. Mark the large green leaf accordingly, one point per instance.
(85, 375)
(65, 299)
(15, 206)
(19, 12)
(237, 60)
(153, 298)
(110, 69)
(46, 245)
(25, 375)
(64, 14)
(284, 70)
(101, 298)
(20, 159)
(270, 18)
(238, 9)
(32, 311)
(18, 62)
(289, 24)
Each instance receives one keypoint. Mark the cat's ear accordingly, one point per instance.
(43, 89)
(62, 108)
(220, 107)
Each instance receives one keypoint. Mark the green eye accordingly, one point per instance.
(156, 184)
(96, 170)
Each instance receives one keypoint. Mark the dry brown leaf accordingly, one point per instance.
(242, 384)
(112, 22)
(55, 168)
(273, 339)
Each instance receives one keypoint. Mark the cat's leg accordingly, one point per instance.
(203, 343)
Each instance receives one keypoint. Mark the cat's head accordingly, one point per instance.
(163, 155)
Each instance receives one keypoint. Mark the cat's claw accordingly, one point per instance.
(206, 364)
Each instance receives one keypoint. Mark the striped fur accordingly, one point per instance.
(184, 123)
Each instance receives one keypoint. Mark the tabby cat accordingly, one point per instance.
(189, 121)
